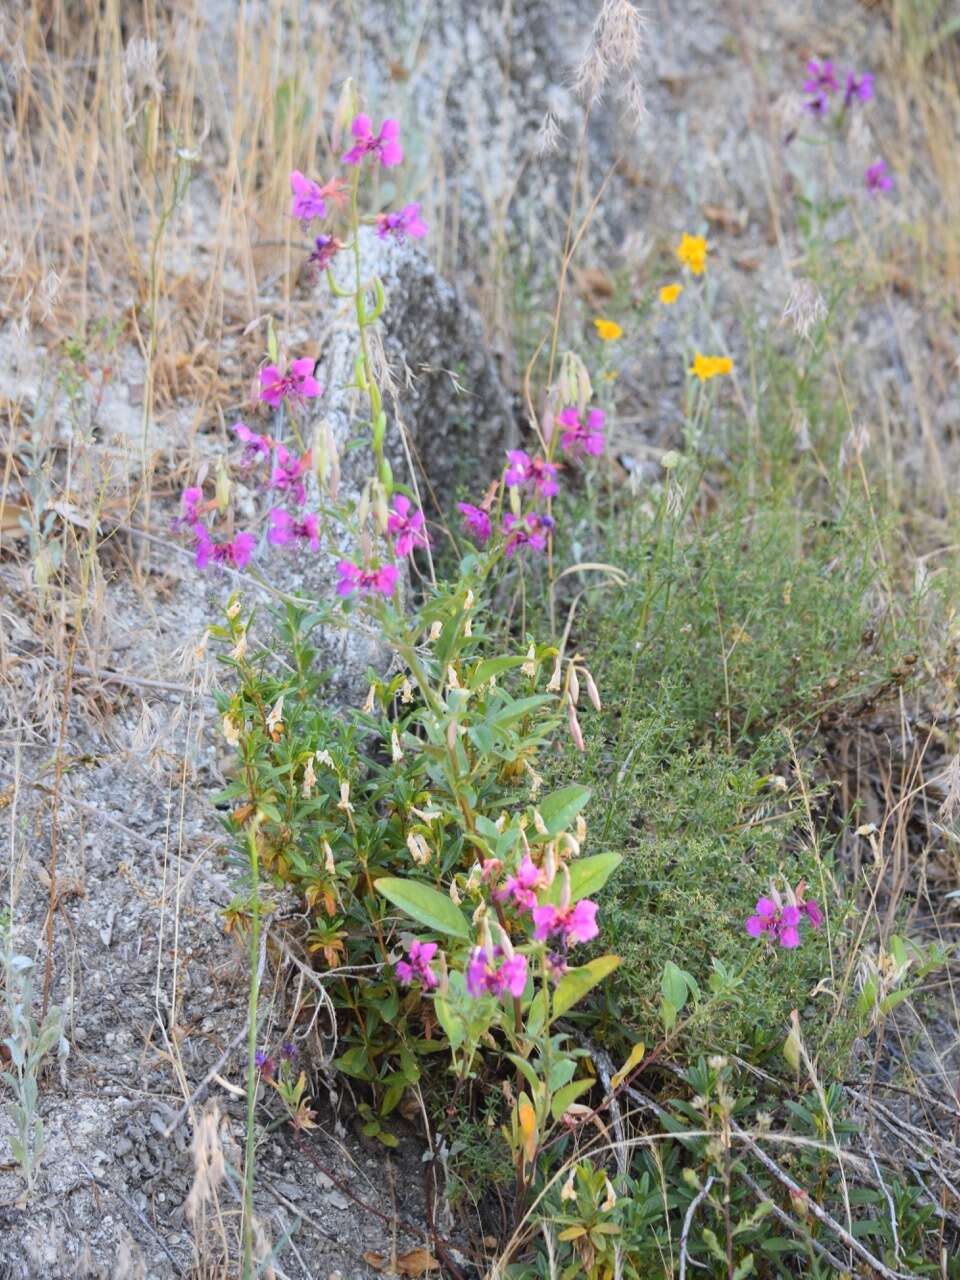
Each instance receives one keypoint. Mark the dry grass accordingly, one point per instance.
(143, 200)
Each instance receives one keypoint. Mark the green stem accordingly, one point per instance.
(249, 1153)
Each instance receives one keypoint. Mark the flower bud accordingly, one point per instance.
(574, 725)
(328, 863)
(406, 691)
(592, 691)
(564, 887)
(395, 749)
(539, 823)
(223, 487)
(550, 864)
(505, 943)
(573, 684)
(381, 512)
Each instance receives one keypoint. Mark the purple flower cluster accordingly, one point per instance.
(416, 967)
(821, 83)
(820, 86)
(779, 921)
(490, 972)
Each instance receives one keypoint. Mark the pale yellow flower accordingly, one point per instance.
(670, 293)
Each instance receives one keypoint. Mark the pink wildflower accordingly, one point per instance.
(776, 921)
(476, 520)
(308, 202)
(586, 437)
(236, 554)
(385, 146)
(522, 887)
(288, 473)
(526, 531)
(405, 222)
(406, 530)
(820, 78)
(859, 87)
(297, 385)
(417, 966)
(575, 924)
(531, 473)
(353, 578)
(485, 977)
(325, 250)
(284, 529)
(190, 500)
(255, 446)
(877, 178)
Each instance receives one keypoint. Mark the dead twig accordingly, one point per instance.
(688, 1223)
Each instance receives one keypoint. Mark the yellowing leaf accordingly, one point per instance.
(527, 1116)
(634, 1057)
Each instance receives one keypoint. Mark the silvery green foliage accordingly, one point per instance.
(29, 1044)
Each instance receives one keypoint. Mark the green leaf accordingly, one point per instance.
(744, 1268)
(354, 1063)
(526, 1070)
(560, 809)
(517, 708)
(587, 876)
(425, 905)
(569, 1093)
(573, 986)
(492, 667)
(453, 1025)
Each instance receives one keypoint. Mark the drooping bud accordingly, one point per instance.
(592, 692)
(553, 685)
(573, 684)
(573, 723)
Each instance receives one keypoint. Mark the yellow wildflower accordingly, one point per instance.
(692, 252)
(707, 367)
(670, 293)
(607, 330)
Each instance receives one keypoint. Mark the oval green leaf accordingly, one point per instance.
(424, 904)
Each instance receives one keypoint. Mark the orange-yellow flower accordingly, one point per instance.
(692, 252)
(607, 330)
(670, 293)
(707, 367)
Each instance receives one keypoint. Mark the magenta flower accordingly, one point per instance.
(235, 554)
(812, 912)
(405, 222)
(308, 202)
(297, 385)
(522, 887)
(264, 1062)
(385, 146)
(582, 437)
(526, 531)
(352, 578)
(877, 179)
(820, 78)
(417, 966)
(859, 87)
(775, 921)
(485, 978)
(531, 473)
(255, 446)
(574, 924)
(325, 250)
(476, 520)
(284, 529)
(406, 530)
(190, 500)
(288, 473)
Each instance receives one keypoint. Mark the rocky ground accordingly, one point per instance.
(151, 985)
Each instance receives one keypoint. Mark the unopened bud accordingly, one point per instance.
(395, 750)
(328, 863)
(574, 685)
(435, 630)
(592, 692)
(371, 700)
(223, 487)
(574, 725)
(468, 600)
(381, 513)
(539, 823)
(505, 943)
(406, 691)
(564, 887)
